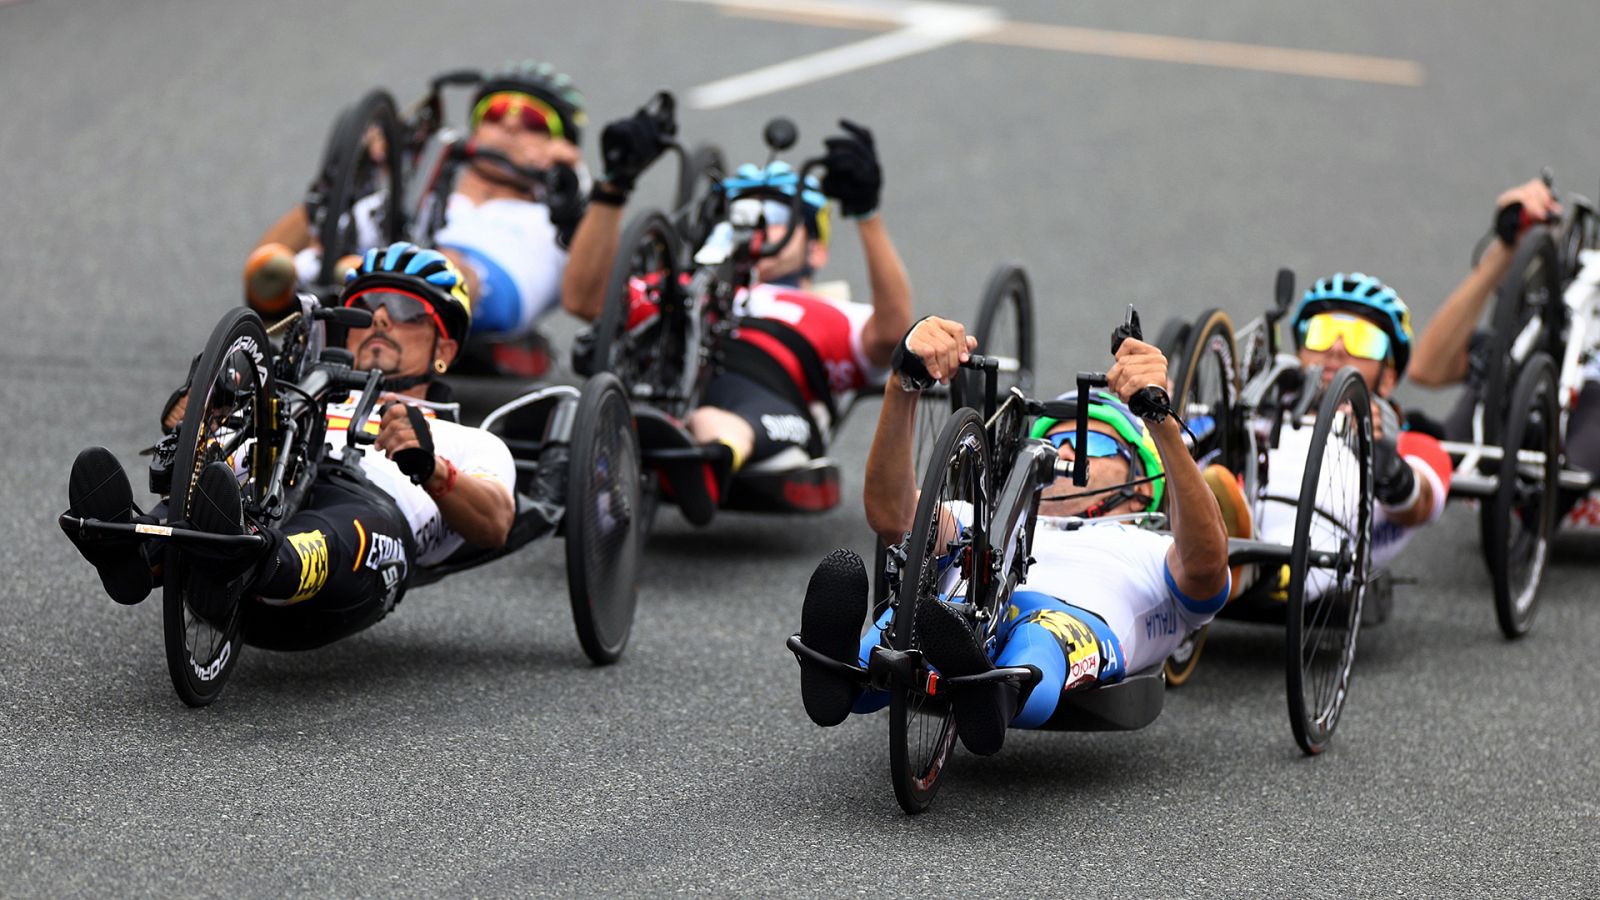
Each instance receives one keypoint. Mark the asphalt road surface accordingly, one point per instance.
(465, 746)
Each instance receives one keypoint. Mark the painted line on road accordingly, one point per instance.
(924, 27)
(917, 27)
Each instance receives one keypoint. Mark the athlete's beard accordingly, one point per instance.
(392, 381)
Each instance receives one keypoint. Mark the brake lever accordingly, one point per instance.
(1149, 403)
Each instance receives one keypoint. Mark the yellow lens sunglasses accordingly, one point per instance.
(1362, 339)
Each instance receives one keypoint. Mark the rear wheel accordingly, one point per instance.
(605, 519)
(1324, 602)
(1205, 389)
(1519, 520)
(229, 417)
(943, 562)
(357, 201)
(648, 359)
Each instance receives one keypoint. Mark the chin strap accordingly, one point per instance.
(1113, 501)
(405, 382)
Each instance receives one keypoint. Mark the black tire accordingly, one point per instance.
(201, 656)
(1581, 232)
(604, 520)
(921, 730)
(695, 171)
(648, 365)
(1320, 639)
(349, 174)
(1205, 391)
(1004, 329)
(1530, 289)
(1518, 522)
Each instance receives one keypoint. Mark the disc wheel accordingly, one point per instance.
(1334, 515)
(1519, 520)
(944, 561)
(648, 359)
(358, 200)
(1528, 299)
(1004, 329)
(228, 417)
(1205, 391)
(604, 520)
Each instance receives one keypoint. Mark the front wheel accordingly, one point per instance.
(1519, 520)
(604, 520)
(944, 562)
(1328, 561)
(229, 417)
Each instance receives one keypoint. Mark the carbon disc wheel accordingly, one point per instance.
(1334, 516)
(228, 417)
(604, 519)
(944, 562)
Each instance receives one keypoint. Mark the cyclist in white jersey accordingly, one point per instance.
(340, 563)
(500, 232)
(1355, 320)
(1103, 600)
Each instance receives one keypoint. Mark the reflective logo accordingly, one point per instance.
(209, 673)
(312, 548)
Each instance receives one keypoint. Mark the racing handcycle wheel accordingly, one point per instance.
(603, 519)
(647, 358)
(1004, 329)
(1333, 518)
(944, 562)
(230, 416)
(1205, 393)
(1529, 299)
(1518, 522)
(362, 165)
(698, 203)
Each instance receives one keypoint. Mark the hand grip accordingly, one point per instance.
(1149, 403)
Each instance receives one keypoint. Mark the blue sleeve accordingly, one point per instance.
(1204, 608)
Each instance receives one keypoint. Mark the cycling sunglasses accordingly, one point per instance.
(534, 114)
(1362, 339)
(403, 308)
(1100, 443)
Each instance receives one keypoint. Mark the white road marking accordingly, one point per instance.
(916, 27)
(921, 27)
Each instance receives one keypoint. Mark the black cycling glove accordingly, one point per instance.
(417, 462)
(564, 197)
(913, 371)
(1509, 223)
(630, 145)
(854, 177)
(1393, 480)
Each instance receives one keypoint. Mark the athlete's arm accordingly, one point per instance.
(293, 230)
(1198, 557)
(479, 509)
(891, 292)
(1440, 357)
(594, 246)
(891, 487)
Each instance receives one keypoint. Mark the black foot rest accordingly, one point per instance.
(1128, 705)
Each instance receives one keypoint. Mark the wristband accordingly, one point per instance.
(451, 473)
(605, 195)
(913, 371)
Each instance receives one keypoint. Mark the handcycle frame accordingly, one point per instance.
(280, 439)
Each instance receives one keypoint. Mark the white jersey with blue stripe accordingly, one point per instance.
(511, 246)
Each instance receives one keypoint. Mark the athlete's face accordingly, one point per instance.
(794, 256)
(1378, 374)
(396, 348)
(527, 147)
(1104, 472)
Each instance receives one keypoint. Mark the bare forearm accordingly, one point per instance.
(1441, 355)
(293, 230)
(1199, 557)
(594, 246)
(478, 509)
(891, 291)
(890, 492)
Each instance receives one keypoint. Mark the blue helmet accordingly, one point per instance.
(779, 177)
(1366, 297)
(429, 274)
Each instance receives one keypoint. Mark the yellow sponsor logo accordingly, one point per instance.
(312, 548)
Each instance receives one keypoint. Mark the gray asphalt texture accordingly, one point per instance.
(465, 746)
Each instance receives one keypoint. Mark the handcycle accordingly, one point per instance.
(986, 466)
(259, 399)
(387, 175)
(690, 266)
(1543, 331)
